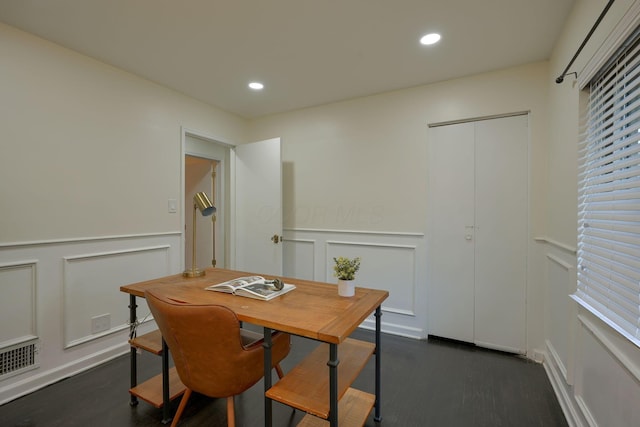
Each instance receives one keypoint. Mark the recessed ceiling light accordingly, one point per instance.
(256, 85)
(430, 38)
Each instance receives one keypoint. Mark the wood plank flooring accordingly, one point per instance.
(424, 383)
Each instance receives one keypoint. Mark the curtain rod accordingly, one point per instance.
(561, 77)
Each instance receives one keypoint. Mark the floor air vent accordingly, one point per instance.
(18, 358)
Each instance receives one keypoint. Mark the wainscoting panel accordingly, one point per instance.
(299, 259)
(607, 366)
(559, 277)
(65, 296)
(387, 267)
(18, 302)
(93, 303)
(395, 262)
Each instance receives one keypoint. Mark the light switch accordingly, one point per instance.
(173, 206)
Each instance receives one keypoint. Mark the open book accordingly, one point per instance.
(252, 287)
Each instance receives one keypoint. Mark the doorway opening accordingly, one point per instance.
(200, 176)
(206, 170)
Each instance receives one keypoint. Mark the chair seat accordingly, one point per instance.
(249, 337)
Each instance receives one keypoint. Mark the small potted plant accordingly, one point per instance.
(345, 270)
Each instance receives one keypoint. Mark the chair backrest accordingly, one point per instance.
(206, 346)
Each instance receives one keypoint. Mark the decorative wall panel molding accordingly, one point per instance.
(559, 276)
(384, 266)
(63, 289)
(299, 258)
(607, 365)
(93, 303)
(18, 303)
(395, 262)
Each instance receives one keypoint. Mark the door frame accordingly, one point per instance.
(222, 195)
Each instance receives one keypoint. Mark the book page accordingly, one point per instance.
(231, 285)
(263, 291)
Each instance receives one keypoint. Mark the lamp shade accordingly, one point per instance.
(203, 204)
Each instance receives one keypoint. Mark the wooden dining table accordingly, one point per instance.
(313, 310)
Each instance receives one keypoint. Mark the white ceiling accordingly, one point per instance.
(306, 52)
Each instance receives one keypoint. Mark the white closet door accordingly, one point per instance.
(451, 248)
(478, 232)
(501, 233)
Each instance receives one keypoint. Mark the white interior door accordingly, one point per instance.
(501, 233)
(478, 232)
(258, 207)
(451, 252)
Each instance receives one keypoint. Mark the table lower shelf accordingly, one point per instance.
(151, 390)
(353, 411)
(306, 386)
(151, 342)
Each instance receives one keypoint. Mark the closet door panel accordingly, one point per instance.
(501, 233)
(451, 212)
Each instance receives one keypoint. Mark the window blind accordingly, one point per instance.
(609, 195)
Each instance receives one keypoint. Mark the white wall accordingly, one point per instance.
(595, 372)
(356, 172)
(93, 149)
(89, 157)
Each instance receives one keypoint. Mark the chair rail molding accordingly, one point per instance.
(87, 239)
(547, 240)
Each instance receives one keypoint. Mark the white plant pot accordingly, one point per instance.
(346, 288)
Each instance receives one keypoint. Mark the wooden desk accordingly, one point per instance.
(313, 310)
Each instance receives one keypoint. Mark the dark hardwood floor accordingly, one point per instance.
(424, 383)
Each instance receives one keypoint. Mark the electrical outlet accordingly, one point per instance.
(100, 323)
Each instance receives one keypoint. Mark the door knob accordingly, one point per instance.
(276, 239)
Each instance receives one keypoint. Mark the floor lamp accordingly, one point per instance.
(200, 203)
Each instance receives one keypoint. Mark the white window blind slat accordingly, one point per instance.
(604, 90)
(609, 196)
(627, 288)
(602, 259)
(615, 251)
(629, 57)
(624, 151)
(610, 221)
(623, 180)
(615, 124)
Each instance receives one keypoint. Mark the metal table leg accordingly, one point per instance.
(333, 384)
(268, 404)
(377, 416)
(166, 402)
(133, 351)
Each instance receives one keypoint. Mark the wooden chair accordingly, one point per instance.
(212, 354)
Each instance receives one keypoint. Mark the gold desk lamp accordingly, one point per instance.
(200, 203)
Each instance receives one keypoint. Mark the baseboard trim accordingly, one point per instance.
(38, 381)
(393, 329)
(562, 394)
